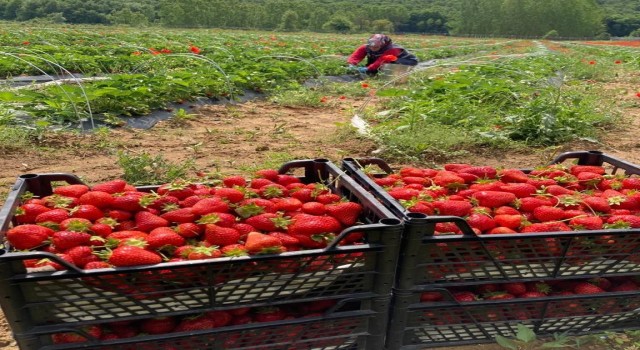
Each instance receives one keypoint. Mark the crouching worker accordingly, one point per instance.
(380, 50)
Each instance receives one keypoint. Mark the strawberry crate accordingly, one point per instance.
(430, 258)
(350, 323)
(416, 324)
(72, 296)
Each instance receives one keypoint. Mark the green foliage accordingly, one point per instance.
(382, 26)
(340, 24)
(526, 339)
(290, 22)
(552, 34)
(145, 169)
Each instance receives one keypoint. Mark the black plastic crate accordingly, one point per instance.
(419, 325)
(450, 259)
(75, 296)
(350, 324)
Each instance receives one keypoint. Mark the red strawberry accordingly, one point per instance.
(269, 314)
(113, 186)
(577, 169)
(195, 324)
(231, 195)
(431, 296)
(254, 206)
(328, 198)
(500, 230)
(75, 190)
(456, 166)
(221, 236)
(309, 225)
(515, 288)
(631, 183)
(158, 325)
(548, 213)
(58, 201)
(210, 205)
(145, 221)
(346, 212)
(504, 210)
(101, 229)
(481, 221)
(86, 211)
(596, 204)
(521, 190)
(220, 318)
(288, 204)
(128, 202)
(586, 223)
(528, 204)
(182, 215)
(403, 193)
(532, 294)
(75, 224)
(28, 236)
(313, 208)
(453, 207)
(270, 191)
(587, 288)
(623, 221)
(464, 297)
(512, 175)
(94, 332)
(133, 256)
(549, 226)
(64, 240)
(498, 296)
(513, 221)
(163, 237)
(480, 172)
(82, 255)
(260, 243)
(53, 216)
(234, 250)
(188, 230)
(119, 215)
(270, 174)
(200, 253)
(493, 199)
(235, 180)
(448, 179)
(100, 199)
(286, 239)
(268, 222)
(179, 189)
(27, 213)
(626, 286)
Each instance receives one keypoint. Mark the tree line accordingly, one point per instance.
(525, 18)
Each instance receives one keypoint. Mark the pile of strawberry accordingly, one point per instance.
(113, 224)
(598, 286)
(493, 200)
(204, 321)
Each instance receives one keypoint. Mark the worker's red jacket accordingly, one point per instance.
(375, 58)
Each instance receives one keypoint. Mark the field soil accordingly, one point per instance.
(233, 138)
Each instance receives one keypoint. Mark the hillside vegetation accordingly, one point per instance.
(523, 18)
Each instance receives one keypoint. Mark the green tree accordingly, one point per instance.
(127, 17)
(382, 26)
(290, 21)
(317, 19)
(340, 24)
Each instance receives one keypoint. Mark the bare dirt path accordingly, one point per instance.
(234, 138)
